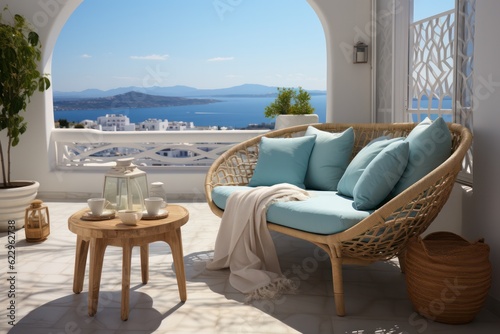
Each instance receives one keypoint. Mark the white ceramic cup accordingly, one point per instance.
(96, 205)
(129, 217)
(153, 205)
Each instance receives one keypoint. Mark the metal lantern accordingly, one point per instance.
(360, 53)
(37, 222)
(125, 186)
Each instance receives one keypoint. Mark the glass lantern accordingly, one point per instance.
(125, 186)
(37, 224)
(360, 53)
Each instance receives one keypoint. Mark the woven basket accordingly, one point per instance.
(447, 277)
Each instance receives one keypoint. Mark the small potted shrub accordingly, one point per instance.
(20, 54)
(291, 107)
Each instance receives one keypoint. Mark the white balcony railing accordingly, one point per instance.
(78, 149)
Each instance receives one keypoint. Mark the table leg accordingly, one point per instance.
(126, 264)
(145, 263)
(97, 249)
(174, 239)
(82, 248)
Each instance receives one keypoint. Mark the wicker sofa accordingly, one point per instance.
(385, 231)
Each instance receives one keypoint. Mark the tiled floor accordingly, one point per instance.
(376, 298)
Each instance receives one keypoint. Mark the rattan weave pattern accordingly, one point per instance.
(447, 277)
(382, 235)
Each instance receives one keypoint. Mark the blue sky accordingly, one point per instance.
(426, 8)
(198, 43)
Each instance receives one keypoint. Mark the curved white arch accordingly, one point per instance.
(58, 23)
(52, 15)
(318, 9)
(348, 85)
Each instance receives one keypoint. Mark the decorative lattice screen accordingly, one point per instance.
(431, 69)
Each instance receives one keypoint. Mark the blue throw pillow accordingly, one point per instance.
(360, 162)
(282, 160)
(430, 145)
(380, 176)
(329, 158)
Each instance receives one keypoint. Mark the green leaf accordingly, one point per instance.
(33, 38)
(290, 102)
(43, 83)
(20, 21)
(20, 54)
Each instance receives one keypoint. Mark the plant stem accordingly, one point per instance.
(9, 145)
(3, 165)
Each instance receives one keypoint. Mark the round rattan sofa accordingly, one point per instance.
(382, 235)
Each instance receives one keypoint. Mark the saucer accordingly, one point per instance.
(160, 215)
(106, 214)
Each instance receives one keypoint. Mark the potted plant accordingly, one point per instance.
(20, 54)
(291, 107)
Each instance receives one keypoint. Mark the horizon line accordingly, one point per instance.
(121, 87)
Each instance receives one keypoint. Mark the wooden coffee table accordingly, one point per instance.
(100, 234)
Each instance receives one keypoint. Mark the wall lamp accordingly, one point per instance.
(360, 53)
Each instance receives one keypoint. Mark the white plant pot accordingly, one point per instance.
(13, 203)
(286, 121)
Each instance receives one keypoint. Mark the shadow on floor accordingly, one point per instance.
(69, 314)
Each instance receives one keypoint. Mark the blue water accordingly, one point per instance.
(237, 112)
(446, 104)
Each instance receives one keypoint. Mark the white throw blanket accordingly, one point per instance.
(244, 244)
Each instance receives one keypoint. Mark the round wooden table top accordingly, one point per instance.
(114, 228)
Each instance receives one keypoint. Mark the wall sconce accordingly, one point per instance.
(360, 53)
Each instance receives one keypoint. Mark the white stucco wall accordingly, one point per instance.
(451, 216)
(29, 158)
(484, 218)
(349, 85)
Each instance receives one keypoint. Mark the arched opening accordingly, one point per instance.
(212, 45)
(347, 86)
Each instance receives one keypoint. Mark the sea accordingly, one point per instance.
(230, 112)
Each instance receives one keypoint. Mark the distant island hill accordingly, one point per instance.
(128, 100)
(152, 97)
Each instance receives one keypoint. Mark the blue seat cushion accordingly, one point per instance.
(324, 212)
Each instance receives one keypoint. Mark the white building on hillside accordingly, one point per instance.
(115, 122)
(153, 124)
(180, 125)
(90, 124)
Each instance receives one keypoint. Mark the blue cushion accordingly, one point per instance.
(360, 162)
(220, 194)
(430, 145)
(282, 160)
(329, 158)
(324, 213)
(380, 176)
